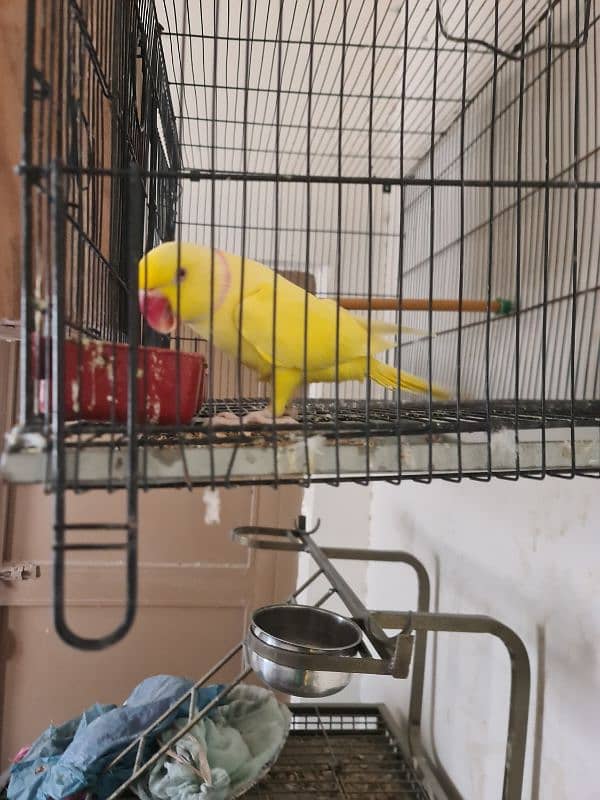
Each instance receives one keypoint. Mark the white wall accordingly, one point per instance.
(527, 553)
(344, 515)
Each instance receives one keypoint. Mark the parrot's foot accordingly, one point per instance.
(265, 417)
(224, 418)
(262, 417)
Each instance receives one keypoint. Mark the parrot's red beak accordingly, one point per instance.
(157, 311)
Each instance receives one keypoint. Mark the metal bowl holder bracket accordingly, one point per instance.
(395, 653)
(394, 656)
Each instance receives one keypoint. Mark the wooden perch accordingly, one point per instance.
(499, 306)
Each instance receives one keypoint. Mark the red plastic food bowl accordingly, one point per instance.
(96, 383)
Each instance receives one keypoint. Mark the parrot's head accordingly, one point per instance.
(175, 281)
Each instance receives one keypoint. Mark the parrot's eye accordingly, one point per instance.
(181, 273)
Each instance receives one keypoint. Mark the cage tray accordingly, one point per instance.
(328, 445)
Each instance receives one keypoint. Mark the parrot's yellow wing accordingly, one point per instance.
(390, 328)
(321, 316)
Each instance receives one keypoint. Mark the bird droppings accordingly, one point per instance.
(18, 439)
(212, 506)
(407, 456)
(299, 451)
(503, 446)
(315, 445)
(587, 453)
(75, 395)
(153, 409)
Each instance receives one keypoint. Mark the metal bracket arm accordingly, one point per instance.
(519, 684)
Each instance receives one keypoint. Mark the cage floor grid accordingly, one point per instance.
(349, 417)
(329, 443)
(340, 753)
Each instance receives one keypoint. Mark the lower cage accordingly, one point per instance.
(345, 751)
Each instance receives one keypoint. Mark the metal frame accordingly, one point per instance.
(380, 654)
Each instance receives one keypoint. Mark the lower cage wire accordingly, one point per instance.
(341, 751)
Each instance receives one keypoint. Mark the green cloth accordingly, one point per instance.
(236, 747)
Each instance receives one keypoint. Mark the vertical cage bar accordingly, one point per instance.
(135, 205)
(402, 233)
(546, 237)
(58, 474)
(276, 236)
(575, 250)
(213, 166)
(309, 111)
(490, 247)
(432, 253)
(338, 244)
(518, 235)
(373, 64)
(26, 378)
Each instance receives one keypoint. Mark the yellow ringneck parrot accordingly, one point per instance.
(175, 278)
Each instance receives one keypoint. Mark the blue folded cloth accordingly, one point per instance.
(73, 756)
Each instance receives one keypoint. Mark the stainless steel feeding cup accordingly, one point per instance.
(304, 630)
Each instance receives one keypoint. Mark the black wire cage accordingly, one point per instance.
(430, 167)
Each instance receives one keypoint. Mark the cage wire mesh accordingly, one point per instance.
(341, 751)
(411, 151)
(421, 154)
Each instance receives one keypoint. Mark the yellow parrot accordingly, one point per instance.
(175, 273)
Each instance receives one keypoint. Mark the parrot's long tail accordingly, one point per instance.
(387, 376)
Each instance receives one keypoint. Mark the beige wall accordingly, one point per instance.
(196, 590)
